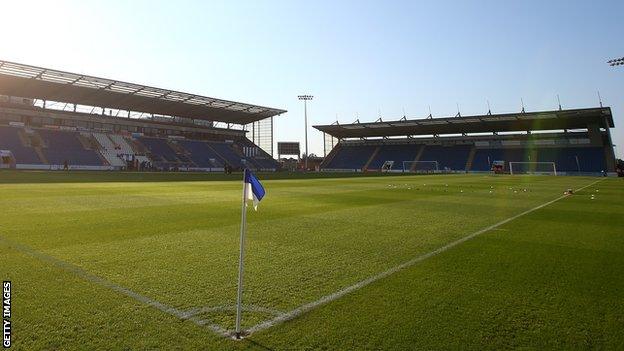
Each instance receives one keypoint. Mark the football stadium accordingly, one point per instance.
(137, 217)
(129, 219)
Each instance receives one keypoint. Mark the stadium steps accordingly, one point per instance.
(365, 168)
(86, 142)
(104, 141)
(533, 155)
(417, 158)
(181, 153)
(471, 156)
(23, 138)
(42, 157)
(122, 144)
(34, 140)
(238, 151)
(330, 156)
(136, 146)
(89, 142)
(108, 150)
(223, 159)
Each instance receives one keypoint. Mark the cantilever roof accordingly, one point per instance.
(544, 120)
(41, 83)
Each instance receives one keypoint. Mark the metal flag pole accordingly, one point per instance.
(239, 298)
(305, 99)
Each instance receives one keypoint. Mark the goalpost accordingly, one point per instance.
(420, 166)
(548, 168)
(387, 166)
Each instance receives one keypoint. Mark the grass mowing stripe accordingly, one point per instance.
(328, 298)
(115, 287)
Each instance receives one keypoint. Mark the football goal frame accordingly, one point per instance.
(533, 168)
(408, 166)
(387, 166)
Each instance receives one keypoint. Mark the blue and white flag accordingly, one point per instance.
(253, 189)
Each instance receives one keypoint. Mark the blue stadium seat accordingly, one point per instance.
(9, 140)
(351, 157)
(262, 160)
(226, 151)
(64, 146)
(451, 157)
(160, 151)
(483, 158)
(574, 159)
(201, 154)
(590, 159)
(396, 153)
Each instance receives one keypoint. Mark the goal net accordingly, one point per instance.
(420, 166)
(547, 168)
(387, 166)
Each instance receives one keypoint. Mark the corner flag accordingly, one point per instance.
(252, 191)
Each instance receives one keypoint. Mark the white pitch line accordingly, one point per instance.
(329, 298)
(230, 308)
(115, 287)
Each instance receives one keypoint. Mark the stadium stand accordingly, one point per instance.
(160, 151)
(201, 154)
(64, 146)
(99, 123)
(10, 140)
(351, 157)
(109, 150)
(453, 158)
(126, 151)
(257, 158)
(575, 141)
(227, 153)
(56, 147)
(396, 153)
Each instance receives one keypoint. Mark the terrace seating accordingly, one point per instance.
(201, 154)
(261, 160)
(9, 140)
(62, 146)
(265, 163)
(109, 150)
(160, 151)
(590, 159)
(120, 143)
(574, 159)
(566, 158)
(396, 153)
(451, 157)
(351, 157)
(227, 153)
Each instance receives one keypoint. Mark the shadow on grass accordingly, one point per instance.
(25, 176)
(259, 345)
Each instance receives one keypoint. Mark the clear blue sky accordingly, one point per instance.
(358, 58)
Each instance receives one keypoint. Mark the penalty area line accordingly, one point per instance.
(71, 268)
(359, 285)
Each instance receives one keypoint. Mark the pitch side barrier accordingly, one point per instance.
(571, 174)
(41, 167)
(62, 167)
(340, 170)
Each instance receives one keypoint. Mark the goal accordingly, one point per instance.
(387, 166)
(547, 168)
(420, 166)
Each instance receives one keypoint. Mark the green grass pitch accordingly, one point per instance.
(128, 261)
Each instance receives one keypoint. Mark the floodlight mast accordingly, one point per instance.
(305, 99)
(616, 62)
